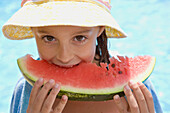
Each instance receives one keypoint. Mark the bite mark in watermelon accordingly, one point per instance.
(87, 81)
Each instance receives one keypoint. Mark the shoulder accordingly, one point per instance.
(20, 84)
(148, 84)
(17, 95)
(150, 87)
(20, 95)
(19, 87)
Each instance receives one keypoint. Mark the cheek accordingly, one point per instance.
(44, 52)
(88, 53)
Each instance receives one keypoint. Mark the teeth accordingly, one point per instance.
(67, 66)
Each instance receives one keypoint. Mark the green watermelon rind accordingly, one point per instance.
(24, 70)
(71, 95)
(89, 94)
(81, 96)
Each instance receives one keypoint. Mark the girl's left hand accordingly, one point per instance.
(138, 101)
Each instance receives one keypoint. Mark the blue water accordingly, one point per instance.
(145, 21)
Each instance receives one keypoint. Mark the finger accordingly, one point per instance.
(34, 91)
(59, 108)
(139, 97)
(42, 95)
(47, 106)
(119, 104)
(148, 97)
(134, 108)
(125, 104)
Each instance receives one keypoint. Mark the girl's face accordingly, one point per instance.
(67, 46)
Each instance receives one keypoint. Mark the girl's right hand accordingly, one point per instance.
(42, 102)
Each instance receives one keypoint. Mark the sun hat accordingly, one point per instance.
(37, 13)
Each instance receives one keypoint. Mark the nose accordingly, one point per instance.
(64, 54)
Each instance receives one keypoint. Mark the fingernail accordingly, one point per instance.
(40, 80)
(116, 97)
(140, 83)
(56, 85)
(51, 81)
(64, 97)
(131, 82)
(127, 88)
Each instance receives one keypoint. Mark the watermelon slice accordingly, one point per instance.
(87, 81)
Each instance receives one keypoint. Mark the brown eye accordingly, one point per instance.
(48, 38)
(80, 38)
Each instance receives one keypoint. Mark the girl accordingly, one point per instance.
(66, 34)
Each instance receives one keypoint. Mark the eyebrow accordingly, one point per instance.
(42, 31)
(79, 32)
(83, 31)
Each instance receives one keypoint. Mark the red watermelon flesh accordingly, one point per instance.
(88, 78)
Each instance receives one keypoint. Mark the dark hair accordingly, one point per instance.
(101, 49)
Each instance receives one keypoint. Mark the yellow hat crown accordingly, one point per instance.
(102, 3)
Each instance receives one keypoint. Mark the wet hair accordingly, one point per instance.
(101, 49)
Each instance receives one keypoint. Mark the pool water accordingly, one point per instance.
(145, 21)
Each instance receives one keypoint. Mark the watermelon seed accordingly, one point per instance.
(113, 65)
(120, 72)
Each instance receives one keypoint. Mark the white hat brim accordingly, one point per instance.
(60, 13)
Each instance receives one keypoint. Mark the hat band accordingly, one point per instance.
(103, 4)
